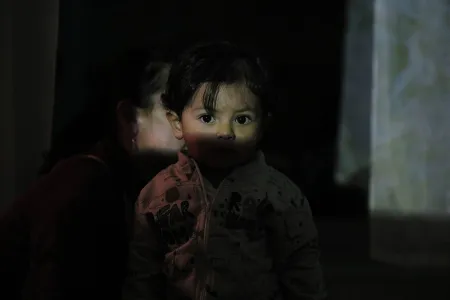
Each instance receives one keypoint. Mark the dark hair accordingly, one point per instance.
(215, 63)
(137, 78)
(133, 77)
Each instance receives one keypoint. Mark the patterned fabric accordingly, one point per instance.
(254, 239)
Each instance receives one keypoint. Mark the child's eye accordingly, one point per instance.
(206, 119)
(243, 120)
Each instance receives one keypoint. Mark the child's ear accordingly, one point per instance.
(175, 122)
(267, 121)
(265, 126)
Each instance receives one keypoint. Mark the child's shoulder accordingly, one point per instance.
(159, 185)
(282, 191)
(280, 181)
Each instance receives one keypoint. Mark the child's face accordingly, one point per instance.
(228, 135)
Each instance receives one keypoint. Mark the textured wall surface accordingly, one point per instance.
(409, 191)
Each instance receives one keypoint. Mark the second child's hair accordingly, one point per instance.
(215, 64)
(134, 77)
(139, 80)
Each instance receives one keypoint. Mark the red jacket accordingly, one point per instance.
(66, 238)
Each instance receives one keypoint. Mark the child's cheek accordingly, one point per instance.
(193, 146)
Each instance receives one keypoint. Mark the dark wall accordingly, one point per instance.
(302, 43)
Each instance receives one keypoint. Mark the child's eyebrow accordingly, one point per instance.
(203, 108)
(246, 108)
(214, 110)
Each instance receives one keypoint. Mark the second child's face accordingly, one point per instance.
(226, 136)
(154, 131)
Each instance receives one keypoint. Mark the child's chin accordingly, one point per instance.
(223, 160)
(222, 164)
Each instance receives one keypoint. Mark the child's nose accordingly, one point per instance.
(225, 132)
(226, 137)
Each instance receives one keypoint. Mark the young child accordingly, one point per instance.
(221, 223)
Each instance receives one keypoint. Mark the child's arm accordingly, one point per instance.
(145, 279)
(296, 253)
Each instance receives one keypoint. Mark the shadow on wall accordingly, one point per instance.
(350, 200)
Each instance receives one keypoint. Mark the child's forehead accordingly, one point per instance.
(235, 96)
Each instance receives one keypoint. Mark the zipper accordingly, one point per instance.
(207, 219)
(206, 234)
